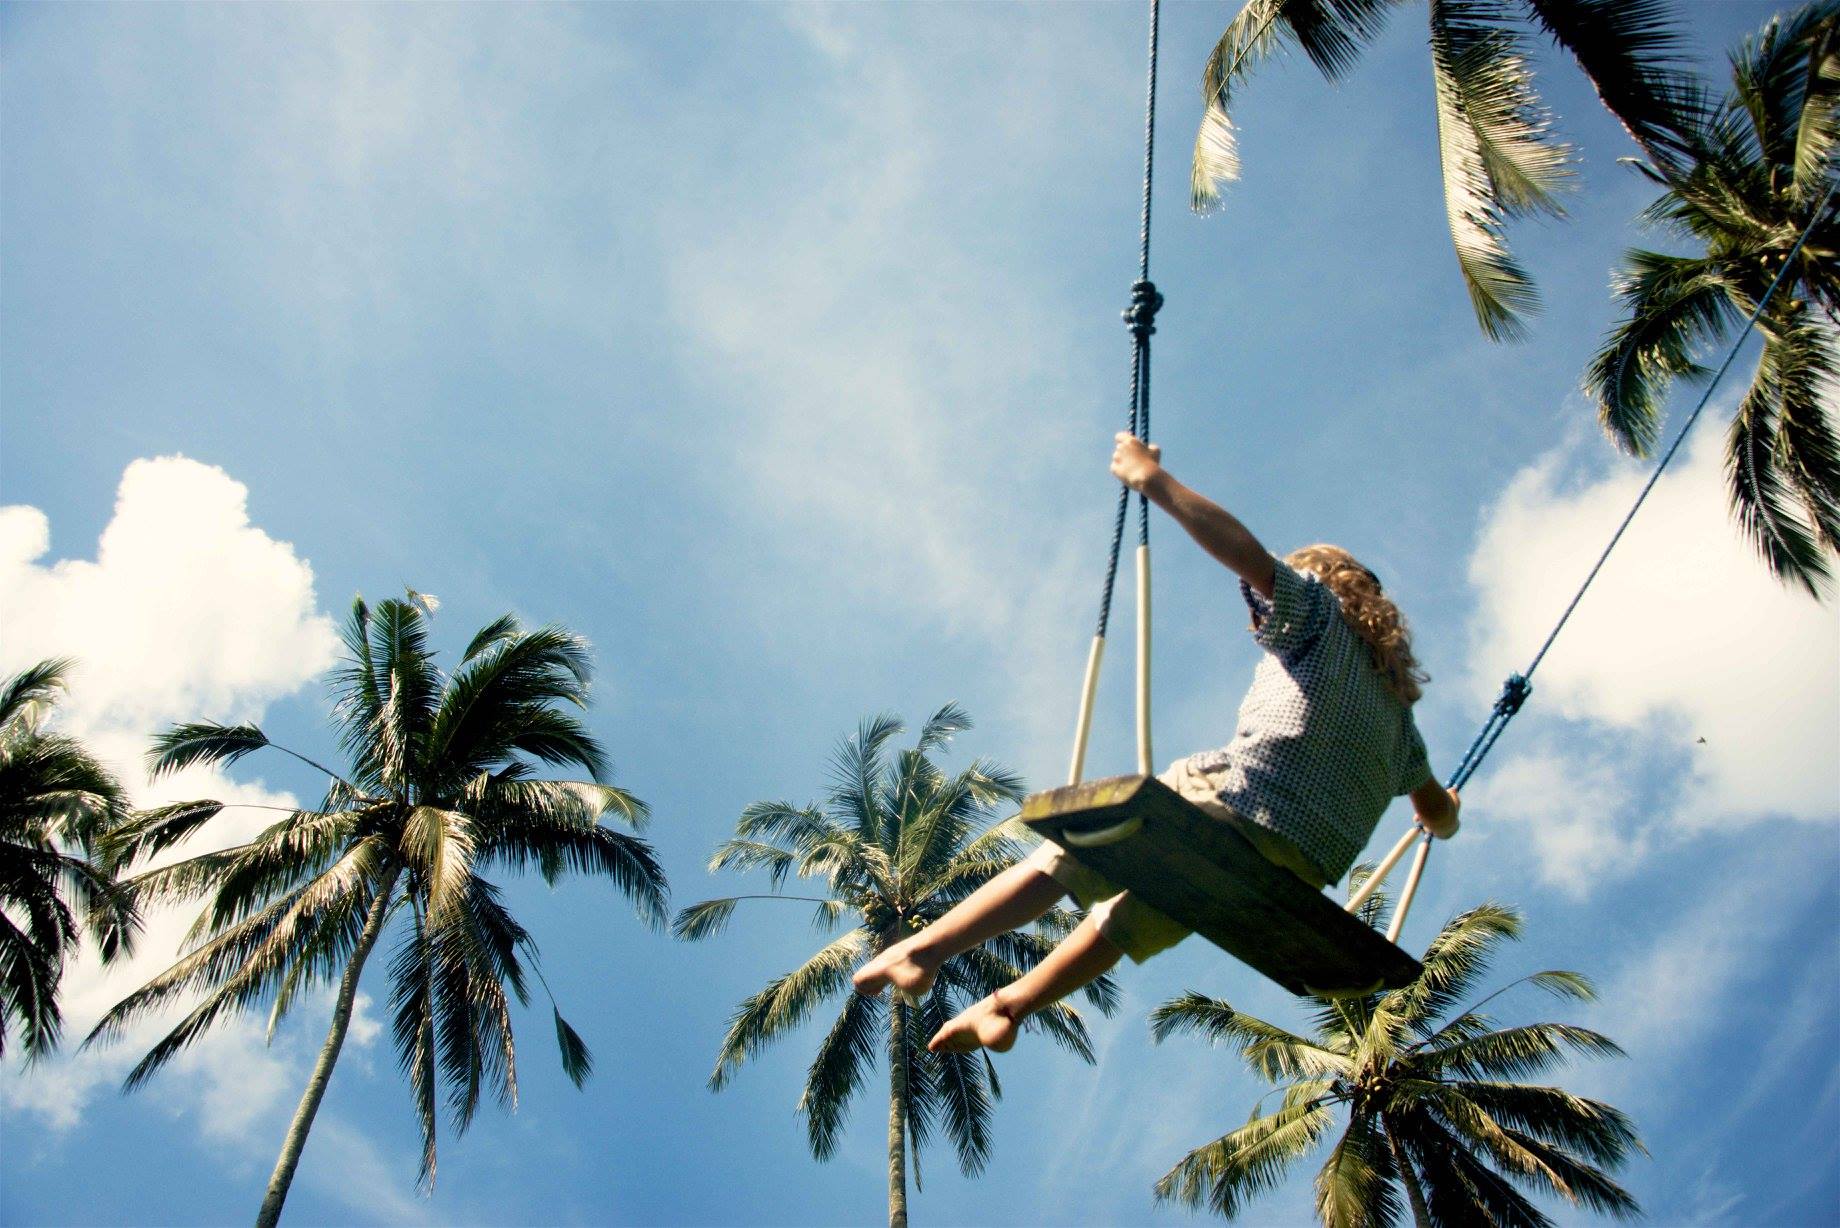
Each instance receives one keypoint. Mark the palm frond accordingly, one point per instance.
(28, 695)
(1460, 1188)
(413, 1031)
(1226, 1173)
(836, 1072)
(937, 733)
(1515, 1052)
(1332, 35)
(28, 990)
(500, 630)
(202, 742)
(577, 1062)
(786, 1002)
(1354, 1187)
(1673, 307)
(856, 772)
(1635, 55)
(407, 685)
(1761, 492)
(499, 703)
(1818, 126)
(1482, 89)
(239, 983)
(149, 832)
(1600, 1132)
(1454, 960)
(960, 1087)
(704, 919)
(1272, 1052)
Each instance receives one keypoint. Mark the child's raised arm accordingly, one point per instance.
(1139, 466)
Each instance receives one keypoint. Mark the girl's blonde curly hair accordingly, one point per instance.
(1370, 613)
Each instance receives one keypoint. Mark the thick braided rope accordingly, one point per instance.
(1140, 319)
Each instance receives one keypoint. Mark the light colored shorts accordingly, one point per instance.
(1131, 925)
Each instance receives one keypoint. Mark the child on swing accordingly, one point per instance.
(1325, 741)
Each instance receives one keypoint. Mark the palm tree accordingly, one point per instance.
(1432, 1099)
(1764, 170)
(441, 788)
(54, 796)
(896, 843)
(1500, 158)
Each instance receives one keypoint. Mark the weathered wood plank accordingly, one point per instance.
(1204, 874)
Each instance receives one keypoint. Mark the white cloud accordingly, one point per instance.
(1686, 668)
(187, 611)
(1573, 809)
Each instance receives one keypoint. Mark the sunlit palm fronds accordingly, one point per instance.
(895, 843)
(441, 788)
(1760, 174)
(1434, 1118)
(1499, 156)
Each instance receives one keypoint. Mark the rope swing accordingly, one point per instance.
(1140, 319)
(1199, 875)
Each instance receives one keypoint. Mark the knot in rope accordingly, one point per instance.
(1514, 693)
(1140, 316)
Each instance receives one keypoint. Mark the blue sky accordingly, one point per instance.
(776, 350)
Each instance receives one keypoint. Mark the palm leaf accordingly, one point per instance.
(1634, 54)
(1272, 1052)
(836, 1072)
(1354, 1187)
(1331, 32)
(202, 742)
(786, 1002)
(1482, 88)
(1226, 1173)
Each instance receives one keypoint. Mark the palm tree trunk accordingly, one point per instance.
(1421, 1214)
(897, 1115)
(296, 1140)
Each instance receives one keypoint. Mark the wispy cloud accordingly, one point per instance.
(1685, 668)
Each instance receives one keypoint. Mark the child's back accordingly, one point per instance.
(1324, 740)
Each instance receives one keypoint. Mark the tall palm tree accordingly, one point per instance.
(1764, 170)
(1500, 158)
(1432, 1100)
(54, 797)
(441, 788)
(896, 842)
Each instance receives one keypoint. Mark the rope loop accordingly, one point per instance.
(1140, 316)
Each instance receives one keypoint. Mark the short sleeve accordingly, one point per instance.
(1414, 763)
(1300, 605)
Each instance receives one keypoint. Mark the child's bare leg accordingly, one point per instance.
(1083, 957)
(1014, 898)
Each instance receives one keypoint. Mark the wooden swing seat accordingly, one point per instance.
(1138, 833)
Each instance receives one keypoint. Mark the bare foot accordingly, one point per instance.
(899, 966)
(986, 1024)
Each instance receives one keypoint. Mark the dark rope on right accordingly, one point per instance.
(1518, 686)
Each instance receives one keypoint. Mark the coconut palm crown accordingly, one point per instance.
(1499, 155)
(441, 788)
(1763, 170)
(1429, 1096)
(896, 843)
(55, 800)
